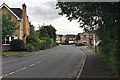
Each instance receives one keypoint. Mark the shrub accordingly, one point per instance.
(57, 44)
(30, 48)
(48, 41)
(79, 44)
(42, 45)
(17, 45)
(53, 43)
(66, 41)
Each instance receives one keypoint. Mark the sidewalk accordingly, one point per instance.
(94, 66)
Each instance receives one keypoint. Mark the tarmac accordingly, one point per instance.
(95, 68)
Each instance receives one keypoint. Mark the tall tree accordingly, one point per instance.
(8, 25)
(78, 36)
(102, 17)
(43, 32)
(33, 37)
(51, 31)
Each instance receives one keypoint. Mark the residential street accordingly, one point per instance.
(63, 61)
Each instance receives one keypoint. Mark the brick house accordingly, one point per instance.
(60, 38)
(20, 17)
(88, 38)
(71, 38)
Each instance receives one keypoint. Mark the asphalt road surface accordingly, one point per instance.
(59, 62)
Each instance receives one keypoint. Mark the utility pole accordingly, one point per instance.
(95, 44)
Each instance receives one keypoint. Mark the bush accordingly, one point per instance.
(17, 45)
(79, 44)
(57, 44)
(42, 45)
(52, 43)
(48, 41)
(66, 42)
(30, 48)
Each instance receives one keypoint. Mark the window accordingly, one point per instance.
(8, 39)
(56, 38)
(84, 36)
(70, 38)
(84, 40)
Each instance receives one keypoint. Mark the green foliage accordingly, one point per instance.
(30, 48)
(17, 45)
(53, 43)
(8, 25)
(41, 39)
(104, 18)
(47, 31)
(66, 41)
(78, 36)
(43, 32)
(42, 45)
(51, 31)
(48, 41)
(57, 44)
(79, 44)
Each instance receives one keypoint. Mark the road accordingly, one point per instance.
(59, 62)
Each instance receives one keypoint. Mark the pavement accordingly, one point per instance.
(59, 62)
(95, 67)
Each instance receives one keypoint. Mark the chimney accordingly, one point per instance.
(24, 16)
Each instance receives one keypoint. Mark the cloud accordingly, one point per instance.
(43, 11)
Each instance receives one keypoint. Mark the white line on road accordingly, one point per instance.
(11, 73)
(32, 65)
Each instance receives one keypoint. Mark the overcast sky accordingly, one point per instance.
(43, 11)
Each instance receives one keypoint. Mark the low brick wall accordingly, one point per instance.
(5, 47)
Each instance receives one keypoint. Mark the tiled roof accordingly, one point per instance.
(90, 32)
(17, 11)
(70, 36)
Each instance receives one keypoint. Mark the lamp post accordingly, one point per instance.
(95, 44)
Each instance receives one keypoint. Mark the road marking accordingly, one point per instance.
(32, 65)
(1, 77)
(11, 73)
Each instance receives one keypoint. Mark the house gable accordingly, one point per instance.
(4, 5)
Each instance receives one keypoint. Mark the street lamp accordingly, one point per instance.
(95, 44)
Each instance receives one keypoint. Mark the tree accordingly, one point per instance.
(78, 36)
(51, 31)
(8, 25)
(43, 32)
(33, 37)
(104, 18)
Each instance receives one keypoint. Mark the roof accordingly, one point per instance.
(17, 11)
(90, 32)
(70, 35)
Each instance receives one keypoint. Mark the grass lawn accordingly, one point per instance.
(9, 53)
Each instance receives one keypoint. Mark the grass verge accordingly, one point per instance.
(10, 53)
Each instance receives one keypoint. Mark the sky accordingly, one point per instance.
(44, 12)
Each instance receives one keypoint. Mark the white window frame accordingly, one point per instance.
(15, 37)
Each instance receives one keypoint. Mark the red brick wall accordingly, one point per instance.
(5, 47)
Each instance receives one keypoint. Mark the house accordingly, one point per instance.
(20, 17)
(60, 38)
(88, 38)
(71, 38)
